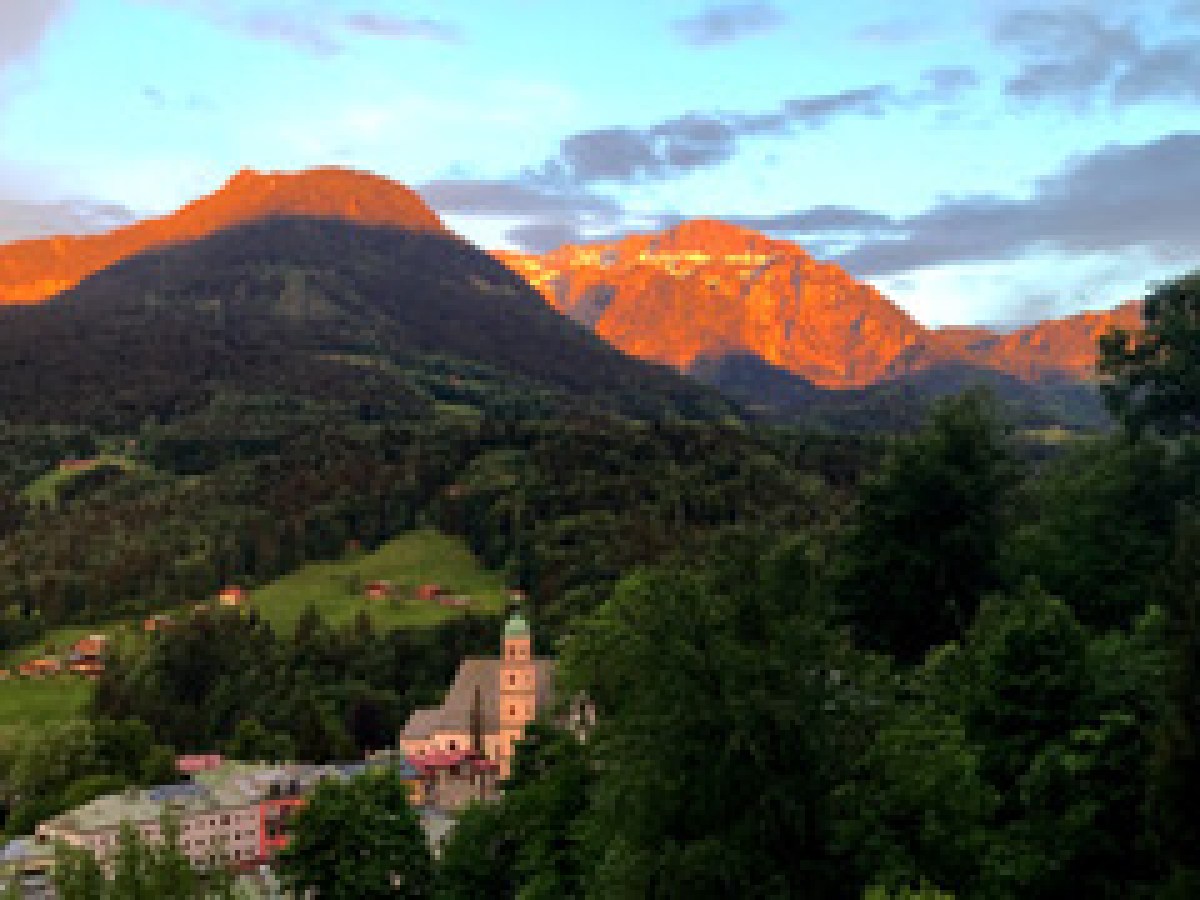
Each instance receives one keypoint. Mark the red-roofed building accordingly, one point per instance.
(454, 779)
(233, 596)
(429, 592)
(190, 765)
(40, 668)
(378, 590)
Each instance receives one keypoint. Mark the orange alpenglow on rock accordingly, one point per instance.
(34, 270)
(706, 289)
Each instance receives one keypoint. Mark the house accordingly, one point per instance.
(41, 668)
(161, 622)
(453, 780)
(429, 592)
(231, 814)
(377, 590)
(5, 674)
(77, 465)
(454, 601)
(86, 657)
(232, 597)
(192, 764)
(489, 704)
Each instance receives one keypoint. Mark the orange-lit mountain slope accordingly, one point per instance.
(31, 271)
(706, 289)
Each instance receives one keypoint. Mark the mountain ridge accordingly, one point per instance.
(706, 288)
(696, 291)
(41, 268)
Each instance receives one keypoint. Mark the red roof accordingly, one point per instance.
(189, 765)
(450, 759)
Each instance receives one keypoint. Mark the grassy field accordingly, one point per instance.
(335, 589)
(25, 702)
(45, 489)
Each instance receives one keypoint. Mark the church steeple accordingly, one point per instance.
(518, 682)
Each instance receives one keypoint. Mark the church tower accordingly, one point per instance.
(518, 687)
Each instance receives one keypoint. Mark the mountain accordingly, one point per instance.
(706, 289)
(34, 270)
(301, 310)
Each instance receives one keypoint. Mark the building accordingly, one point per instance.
(233, 597)
(196, 763)
(154, 624)
(41, 668)
(30, 865)
(489, 704)
(87, 656)
(377, 590)
(453, 780)
(232, 814)
(429, 592)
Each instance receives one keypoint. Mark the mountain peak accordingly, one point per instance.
(717, 236)
(327, 192)
(31, 271)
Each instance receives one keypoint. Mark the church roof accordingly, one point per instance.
(455, 712)
(516, 626)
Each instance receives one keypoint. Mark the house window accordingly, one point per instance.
(512, 679)
(453, 745)
(512, 711)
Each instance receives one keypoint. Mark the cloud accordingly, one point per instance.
(697, 140)
(308, 27)
(1077, 55)
(729, 22)
(21, 217)
(1121, 199)
(24, 24)
(402, 28)
(546, 218)
(557, 201)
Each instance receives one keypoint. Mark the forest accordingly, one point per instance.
(953, 662)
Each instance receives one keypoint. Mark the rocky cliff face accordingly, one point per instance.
(31, 271)
(706, 289)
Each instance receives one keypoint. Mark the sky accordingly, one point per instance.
(980, 161)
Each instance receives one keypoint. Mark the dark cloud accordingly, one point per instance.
(1078, 55)
(697, 140)
(310, 28)
(730, 22)
(1119, 199)
(510, 198)
(24, 23)
(820, 220)
(547, 217)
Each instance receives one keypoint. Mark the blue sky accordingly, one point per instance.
(986, 161)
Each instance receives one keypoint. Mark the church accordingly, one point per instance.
(488, 706)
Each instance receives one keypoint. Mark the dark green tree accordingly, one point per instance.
(479, 858)
(924, 545)
(358, 839)
(1152, 376)
(728, 711)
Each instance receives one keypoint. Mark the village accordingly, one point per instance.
(236, 813)
(85, 657)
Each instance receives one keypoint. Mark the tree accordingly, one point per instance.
(358, 839)
(479, 857)
(1153, 376)
(923, 547)
(140, 871)
(1177, 754)
(728, 711)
